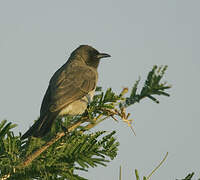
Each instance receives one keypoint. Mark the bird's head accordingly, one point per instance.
(89, 55)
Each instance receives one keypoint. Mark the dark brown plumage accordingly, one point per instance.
(70, 89)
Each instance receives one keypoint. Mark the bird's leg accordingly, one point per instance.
(63, 127)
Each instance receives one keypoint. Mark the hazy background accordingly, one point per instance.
(37, 37)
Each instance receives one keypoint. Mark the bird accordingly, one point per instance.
(70, 89)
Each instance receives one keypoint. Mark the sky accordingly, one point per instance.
(37, 37)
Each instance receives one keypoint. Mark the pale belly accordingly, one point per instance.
(77, 107)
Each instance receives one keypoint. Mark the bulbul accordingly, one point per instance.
(70, 89)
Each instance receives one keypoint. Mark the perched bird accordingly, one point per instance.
(70, 89)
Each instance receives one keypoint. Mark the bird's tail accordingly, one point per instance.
(41, 127)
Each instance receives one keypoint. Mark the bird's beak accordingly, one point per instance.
(103, 55)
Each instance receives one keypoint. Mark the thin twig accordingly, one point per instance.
(148, 177)
(120, 173)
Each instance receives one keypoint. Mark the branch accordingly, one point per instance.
(35, 154)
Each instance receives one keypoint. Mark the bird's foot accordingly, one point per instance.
(65, 129)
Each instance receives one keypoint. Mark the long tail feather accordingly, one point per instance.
(41, 127)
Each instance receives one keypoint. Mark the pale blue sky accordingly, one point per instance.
(37, 37)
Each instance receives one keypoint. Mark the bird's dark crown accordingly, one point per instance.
(88, 54)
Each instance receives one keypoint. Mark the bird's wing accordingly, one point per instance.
(71, 85)
(56, 79)
(46, 102)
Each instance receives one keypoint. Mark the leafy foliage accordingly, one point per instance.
(77, 149)
(188, 177)
(151, 87)
(74, 152)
